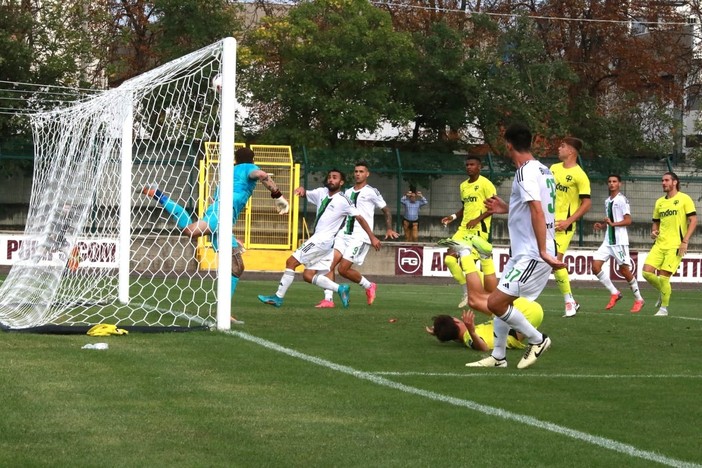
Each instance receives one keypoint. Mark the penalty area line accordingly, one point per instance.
(603, 442)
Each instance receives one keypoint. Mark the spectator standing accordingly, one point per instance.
(412, 201)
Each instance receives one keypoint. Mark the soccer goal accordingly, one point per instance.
(95, 248)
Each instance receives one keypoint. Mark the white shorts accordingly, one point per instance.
(352, 249)
(620, 254)
(315, 255)
(524, 277)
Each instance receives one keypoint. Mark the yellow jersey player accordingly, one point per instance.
(674, 221)
(474, 227)
(481, 337)
(572, 202)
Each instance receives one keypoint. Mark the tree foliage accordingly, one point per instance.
(150, 33)
(327, 71)
(452, 72)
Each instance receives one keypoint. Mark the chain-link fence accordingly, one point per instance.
(438, 176)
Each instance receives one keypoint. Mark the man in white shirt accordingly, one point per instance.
(316, 254)
(531, 224)
(615, 244)
(352, 243)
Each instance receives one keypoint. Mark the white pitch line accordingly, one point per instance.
(603, 442)
(621, 314)
(540, 376)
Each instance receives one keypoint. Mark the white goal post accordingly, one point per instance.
(99, 246)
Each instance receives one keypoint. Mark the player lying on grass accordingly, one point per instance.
(481, 337)
(532, 252)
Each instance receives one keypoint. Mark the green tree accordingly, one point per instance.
(632, 60)
(442, 76)
(515, 81)
(150, 33)
(327, 71)
(50, 43)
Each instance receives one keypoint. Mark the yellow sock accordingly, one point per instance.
(653, 280)
(487, 265)
(468, 264)
(666, 290)
(562, 281)
(455, 269)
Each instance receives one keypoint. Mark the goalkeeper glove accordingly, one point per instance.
(282, 205)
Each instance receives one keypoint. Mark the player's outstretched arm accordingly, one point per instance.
(468, 318)
(281, 204)
(538, 223)
(389, 232)
(374, 240)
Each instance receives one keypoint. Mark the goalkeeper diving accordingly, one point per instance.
(246, 176)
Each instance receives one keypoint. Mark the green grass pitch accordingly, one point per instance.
(299, 386)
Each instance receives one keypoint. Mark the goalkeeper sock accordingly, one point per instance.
(178, 213)
(235, 281)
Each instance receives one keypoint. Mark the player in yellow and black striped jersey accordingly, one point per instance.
(674, 222)
(474, 221)
(572, 202)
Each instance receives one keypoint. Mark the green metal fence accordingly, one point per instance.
(438, 176)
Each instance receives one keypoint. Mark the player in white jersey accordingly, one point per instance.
(316, 254)
(352, 244)
(531, 224)
(615, 245)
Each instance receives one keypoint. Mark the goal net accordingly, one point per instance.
(95, 248)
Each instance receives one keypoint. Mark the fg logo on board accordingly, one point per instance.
(408, 261)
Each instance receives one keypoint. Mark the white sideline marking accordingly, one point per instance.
(488, 410)
(540, 376)
(609, 313)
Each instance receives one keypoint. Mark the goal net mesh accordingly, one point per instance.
(67, 271)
